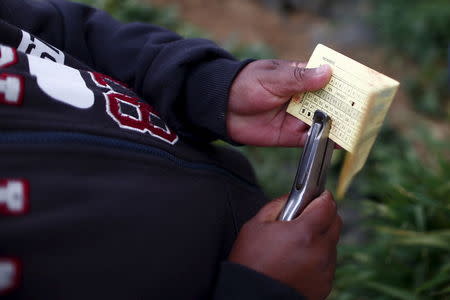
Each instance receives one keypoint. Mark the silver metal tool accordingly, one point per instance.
(312, 170)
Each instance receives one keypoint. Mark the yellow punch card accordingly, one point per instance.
(357, 100)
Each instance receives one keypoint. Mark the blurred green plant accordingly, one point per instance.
(420, 31)
(403, 251)
(275, 167)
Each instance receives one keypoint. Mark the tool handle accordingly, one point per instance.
(312, 169)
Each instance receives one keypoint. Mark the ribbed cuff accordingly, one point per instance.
(237, 282)
(208, 92)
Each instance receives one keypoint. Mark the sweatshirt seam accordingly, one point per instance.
(151, 150)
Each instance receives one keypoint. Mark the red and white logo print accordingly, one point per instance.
(10, 273)
(131, 113)
(14, 196)
(11, 85)
(142, 121)
(8, 56)
(11, 89)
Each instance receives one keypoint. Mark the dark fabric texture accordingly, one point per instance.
(104, 128)
(257, 286)
(171, 73)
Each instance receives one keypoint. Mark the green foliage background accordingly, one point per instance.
(399, 248)
(420, 31)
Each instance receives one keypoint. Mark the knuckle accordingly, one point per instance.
(270, 64)
(330, 277)
(275, 63)
(329, 203)
(336, 231)
(299, 73)
(327, 289)
(274, 204)
(248, 226)
(306, 238)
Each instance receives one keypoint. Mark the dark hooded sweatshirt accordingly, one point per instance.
(109, 187)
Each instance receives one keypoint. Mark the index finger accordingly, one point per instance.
(319, 215)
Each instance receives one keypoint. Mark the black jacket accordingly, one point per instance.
(104, 195)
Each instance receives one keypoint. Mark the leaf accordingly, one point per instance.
(348, 281)
(394, 292)
(437, 239)
(420, 217)
(435, 282)
(445, 291)
(426, 241)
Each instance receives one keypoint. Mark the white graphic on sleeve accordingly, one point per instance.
(61, 82)
(33, 46)
(9, 274)
(13, 197)
(11, 89)
(8, 56)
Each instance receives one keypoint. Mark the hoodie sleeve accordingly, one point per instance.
(186, 80)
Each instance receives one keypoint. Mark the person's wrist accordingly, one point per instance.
(209, 87)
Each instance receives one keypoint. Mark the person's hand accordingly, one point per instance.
(300, 253)
(258, 99)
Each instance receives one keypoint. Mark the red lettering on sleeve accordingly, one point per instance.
(130, 112)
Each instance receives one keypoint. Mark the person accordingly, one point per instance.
(109, 185)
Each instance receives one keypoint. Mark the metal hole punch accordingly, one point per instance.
(312, 170)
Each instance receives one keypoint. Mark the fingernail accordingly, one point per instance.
(326, 194)
(321, 70)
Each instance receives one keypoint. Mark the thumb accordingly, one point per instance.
(293, 78)
(271, 210)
